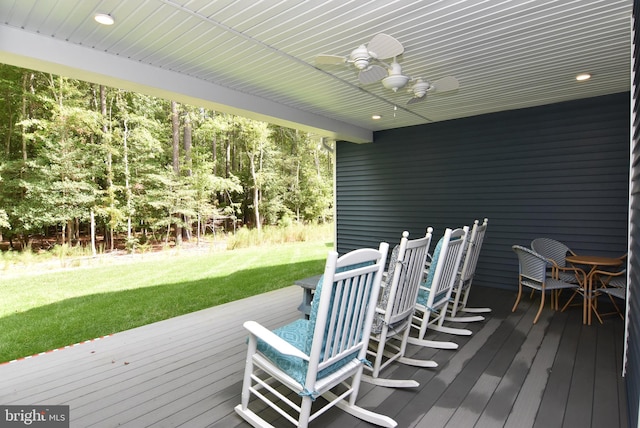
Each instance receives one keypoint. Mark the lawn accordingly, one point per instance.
(49, 310)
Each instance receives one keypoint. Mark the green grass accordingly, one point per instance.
(40, 312)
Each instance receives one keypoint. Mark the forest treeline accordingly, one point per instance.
(81, 160)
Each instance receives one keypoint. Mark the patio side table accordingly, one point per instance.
(308, 287)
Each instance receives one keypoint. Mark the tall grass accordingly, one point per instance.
(64, 256)
(40, 312)
(269, 235)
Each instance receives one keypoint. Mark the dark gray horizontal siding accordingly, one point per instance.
(633, 321)
(559, 171)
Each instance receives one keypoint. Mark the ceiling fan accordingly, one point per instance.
(421, 87)
(396, 80)
(368, 58)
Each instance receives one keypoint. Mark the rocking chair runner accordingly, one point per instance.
(392, 322)
(460, 293)
(434, 295)
(317, 357)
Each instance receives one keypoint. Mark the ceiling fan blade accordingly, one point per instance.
(330, 59)
(417, 99)
(385, 46)
(373, 74)
(445, 84)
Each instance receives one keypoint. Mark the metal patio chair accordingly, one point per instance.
(612, 284)
(533, 269)
(556, 252)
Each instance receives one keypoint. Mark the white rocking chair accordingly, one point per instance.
(317, 357)
(434, 295)
(460, 293)
(392, 322)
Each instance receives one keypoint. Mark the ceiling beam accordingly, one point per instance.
(37, 52)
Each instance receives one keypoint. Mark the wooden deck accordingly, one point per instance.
(187, 371)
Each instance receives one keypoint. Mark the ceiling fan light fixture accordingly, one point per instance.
(104, 19)
(583, 76)
(360, 57)
(395, 81)
(420, 88)
(361, 63)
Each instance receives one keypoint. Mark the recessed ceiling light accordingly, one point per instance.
(103, 18)
(376, 117)
(583, 76)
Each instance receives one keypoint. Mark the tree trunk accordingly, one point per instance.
(70, 232)
(227, 159)
(25, 115)
(187, 144)
(214, 157)
(298, 189)
(109, 162)
(93, 234)
(175, 141)
(256, 190)
(187, 161)
(127, 178)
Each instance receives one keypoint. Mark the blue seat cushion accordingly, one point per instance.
(423, 295)
(300, 334)
(295, 334)
(383, 299)
(313, 315)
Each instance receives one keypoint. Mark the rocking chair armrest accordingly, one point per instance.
(274, 340)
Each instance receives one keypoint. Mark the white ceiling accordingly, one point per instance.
(256, 58)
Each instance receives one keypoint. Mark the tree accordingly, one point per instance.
(59, 186)
(4, 218)
(175, 144)
(254, 141)
(73, 149)
(297, 185)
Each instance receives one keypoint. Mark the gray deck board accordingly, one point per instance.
(582, 382)
(607, 413)
(187, 372)
(528, 398)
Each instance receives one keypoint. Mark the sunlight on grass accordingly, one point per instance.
(40, 312)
